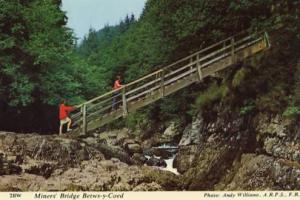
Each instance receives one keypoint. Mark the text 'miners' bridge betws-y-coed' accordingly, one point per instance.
(167, 80)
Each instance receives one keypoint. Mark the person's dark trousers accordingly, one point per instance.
(115, 104)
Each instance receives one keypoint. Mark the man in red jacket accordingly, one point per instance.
(63, 116)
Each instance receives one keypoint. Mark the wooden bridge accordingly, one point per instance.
(167, 80)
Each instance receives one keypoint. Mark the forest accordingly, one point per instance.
(41, 62)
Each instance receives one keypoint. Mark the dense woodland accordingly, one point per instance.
(41, 62)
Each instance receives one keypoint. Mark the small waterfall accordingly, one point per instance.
(170, 166)
(169, 161)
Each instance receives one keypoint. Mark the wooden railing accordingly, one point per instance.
(167, 80)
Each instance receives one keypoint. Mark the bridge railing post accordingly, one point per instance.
(191, 60)
(199, 68)
(232, 49)
(162, 83)
(84, 122)
(124, 101)
(267, 40)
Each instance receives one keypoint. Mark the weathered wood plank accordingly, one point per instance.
(105, 119)
(142, 86)
(143, 78)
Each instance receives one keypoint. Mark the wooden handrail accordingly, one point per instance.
(159, 79)
(144, 77)
(168, 66)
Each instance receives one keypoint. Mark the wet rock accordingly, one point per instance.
(156, 162)
(148, 152)
(163, 153)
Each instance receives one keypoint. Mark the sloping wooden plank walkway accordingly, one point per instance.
(180, 74)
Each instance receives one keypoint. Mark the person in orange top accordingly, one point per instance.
(117, 85)
(63, 116)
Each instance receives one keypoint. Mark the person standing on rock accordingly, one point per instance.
(63, 116)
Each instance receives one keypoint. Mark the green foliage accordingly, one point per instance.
(34, 45)
(292, 111)
(212, 94)
(36, 56)
(239, 77)
(273, 101)
(135, 120)
(247, 108)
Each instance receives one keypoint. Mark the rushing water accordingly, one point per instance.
(170, 166)
(169, 161)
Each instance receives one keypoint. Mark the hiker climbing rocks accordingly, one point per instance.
(63, 116)
(117, 85)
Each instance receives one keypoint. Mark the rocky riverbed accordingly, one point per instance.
(222, 153)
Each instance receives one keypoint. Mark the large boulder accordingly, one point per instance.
(134, 148)
(192, 133)
(163, 153)
(170, 133)
(185, 157)
(114, 152)
(156, 162)
(167, 180)
(114, 137)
